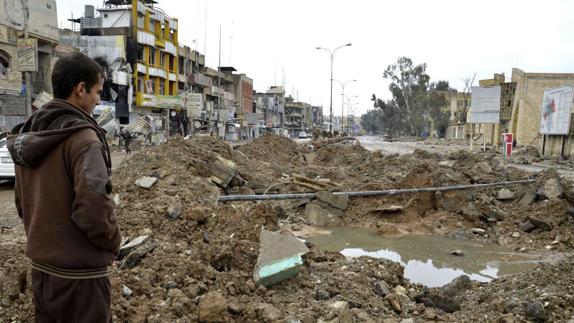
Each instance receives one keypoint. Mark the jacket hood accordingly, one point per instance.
(46, 128)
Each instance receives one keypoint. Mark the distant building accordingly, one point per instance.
(271, 110)
(527, 107)
(43, 30)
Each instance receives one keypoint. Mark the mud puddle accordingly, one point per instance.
(428, 259)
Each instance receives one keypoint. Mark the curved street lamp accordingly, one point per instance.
(331, 56)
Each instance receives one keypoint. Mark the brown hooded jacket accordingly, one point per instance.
(63, 188)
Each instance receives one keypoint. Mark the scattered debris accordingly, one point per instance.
(505, 194)
(146, 182)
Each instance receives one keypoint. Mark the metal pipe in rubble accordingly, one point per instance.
(297, 196)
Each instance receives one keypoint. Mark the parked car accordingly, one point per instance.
(6, 163)
(303, 135)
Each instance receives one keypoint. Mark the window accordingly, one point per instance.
(4, 63)
(162, 59)
(140, 53)
(161, 87)
(152, 56)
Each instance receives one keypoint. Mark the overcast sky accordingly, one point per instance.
(273, 41)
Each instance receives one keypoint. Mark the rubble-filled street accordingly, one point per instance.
(188, 258)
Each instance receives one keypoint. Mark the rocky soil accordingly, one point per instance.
(197, 256)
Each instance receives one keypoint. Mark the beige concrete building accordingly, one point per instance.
(525, 121)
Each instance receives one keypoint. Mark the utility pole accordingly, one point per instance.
(218, 85)
(27, 75)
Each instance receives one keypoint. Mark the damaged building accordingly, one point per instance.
(17, 55)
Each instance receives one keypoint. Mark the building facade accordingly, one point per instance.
(37, 54)
(527, 107)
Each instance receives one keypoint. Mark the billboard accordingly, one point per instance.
(555, 113)
(28, 55)
(485, 104)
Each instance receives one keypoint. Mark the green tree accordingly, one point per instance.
(409, 84)
(372, 121)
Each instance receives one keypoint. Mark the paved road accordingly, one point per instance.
(374, 143)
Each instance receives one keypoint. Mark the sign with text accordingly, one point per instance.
(28, 55)
(485, 104)
(555, 113)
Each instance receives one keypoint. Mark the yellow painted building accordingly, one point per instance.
(156, 74)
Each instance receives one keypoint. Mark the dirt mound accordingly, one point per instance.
(274, 149)
(199, 252)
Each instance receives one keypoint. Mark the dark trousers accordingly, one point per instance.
(71, 300)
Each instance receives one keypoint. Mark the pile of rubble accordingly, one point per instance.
(188, 258)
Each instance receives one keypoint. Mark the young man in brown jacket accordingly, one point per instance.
(62, 191)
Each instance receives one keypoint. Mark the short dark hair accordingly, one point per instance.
(71, 70)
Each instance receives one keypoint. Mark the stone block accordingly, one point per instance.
(339, 201)
(317, 215)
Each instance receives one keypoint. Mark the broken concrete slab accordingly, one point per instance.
(128, 247)
(135, 256)
(146, 182)
(540, 224)
(223, 170)
(527, 198)
(339, 201)
(505, 194)
(549, 185)
(279, 257)
(317, 215)
(447, 163)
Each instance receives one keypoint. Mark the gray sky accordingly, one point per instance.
(273, 40)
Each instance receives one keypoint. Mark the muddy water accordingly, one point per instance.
(427, 259)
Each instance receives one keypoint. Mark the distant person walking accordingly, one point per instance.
(127, 138)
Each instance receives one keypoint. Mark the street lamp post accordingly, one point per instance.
(343, 83)
(332, 56)
(349, 106)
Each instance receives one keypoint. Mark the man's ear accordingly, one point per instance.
(80, 89)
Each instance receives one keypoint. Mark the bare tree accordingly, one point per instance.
(468, 82)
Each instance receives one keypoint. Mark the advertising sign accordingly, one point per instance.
(485, 104)
(555, 113)
(28, 55)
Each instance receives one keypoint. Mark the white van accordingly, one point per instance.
(6, 163)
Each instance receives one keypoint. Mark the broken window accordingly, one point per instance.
(140, 53)
(152, 56)
(4, 64)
